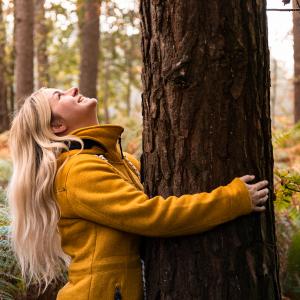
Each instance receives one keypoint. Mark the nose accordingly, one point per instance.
(72, 91)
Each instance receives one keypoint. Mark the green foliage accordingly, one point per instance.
(287, 138)
(286, 213)
(287, 208)
(131, 138)
(4, 217)
(120, 60)
(11, 283)
(5, 171)
(285, 191)
(292, 281)
(63, 45)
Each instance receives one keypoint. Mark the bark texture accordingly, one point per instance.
(4, 121)
(41, 32)
(206, 109)
(296, 34)
(89, 48)
(24, 48)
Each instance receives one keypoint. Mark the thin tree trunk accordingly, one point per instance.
(4, 122)
(24, 48)
(274, 90)
(106, 91)
(89, 51)
(128, 89)
(296, 33)
(41, 32)
(129, 58)
(206, 108)
(10, 92)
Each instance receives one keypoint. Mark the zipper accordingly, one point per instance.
(118, 295)
(119, 140)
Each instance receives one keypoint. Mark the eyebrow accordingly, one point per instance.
(56, 92)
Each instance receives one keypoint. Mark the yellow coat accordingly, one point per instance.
(104, 211)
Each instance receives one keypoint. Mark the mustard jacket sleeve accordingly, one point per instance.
(99, 194)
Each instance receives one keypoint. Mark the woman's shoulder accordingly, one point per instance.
(76, 165)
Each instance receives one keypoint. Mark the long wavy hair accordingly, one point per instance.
(34, 211)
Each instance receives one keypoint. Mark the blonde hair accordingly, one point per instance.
(34, 211)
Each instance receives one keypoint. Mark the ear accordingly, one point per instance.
(58, 126)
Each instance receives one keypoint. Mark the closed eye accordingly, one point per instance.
(58, 94)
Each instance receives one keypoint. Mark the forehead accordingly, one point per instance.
(49, 93)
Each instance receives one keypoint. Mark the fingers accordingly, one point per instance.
(261, 184)
(262, 193)
(259, 204)
(259, 193)
(247, 178)
(263, 200)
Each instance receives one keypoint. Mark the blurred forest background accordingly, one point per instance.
(59, 36)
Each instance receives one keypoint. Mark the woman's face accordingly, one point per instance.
(70, 110)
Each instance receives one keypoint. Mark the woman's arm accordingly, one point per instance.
(97, 193)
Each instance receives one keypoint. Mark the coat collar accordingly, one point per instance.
(107, 135)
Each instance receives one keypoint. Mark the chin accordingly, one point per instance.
(86, 100)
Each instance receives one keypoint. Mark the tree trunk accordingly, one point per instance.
(129, 64)
(24, 48)
(41, 32)
(4, 122)
(107, 63)
(274, 90)
(206, 108)
(296, 34)
(11, 55)
(89, 51)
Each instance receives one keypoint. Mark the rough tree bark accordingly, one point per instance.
(41, 32)
(24, 48)
(296, 34)
(206, 109)
(4, 121)
(89, 12)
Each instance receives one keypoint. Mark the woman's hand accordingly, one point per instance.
(258, 192)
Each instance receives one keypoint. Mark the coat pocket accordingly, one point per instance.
(118, 295)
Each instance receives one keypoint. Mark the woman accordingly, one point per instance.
(71, 172)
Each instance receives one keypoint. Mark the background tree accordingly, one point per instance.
(206, 108)
(63, 50)
(4, 123)
(119, 61)
(88, 15)
(273, 94)
(41, 42)
(24, 17)
(10, 57)
(296, 33)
